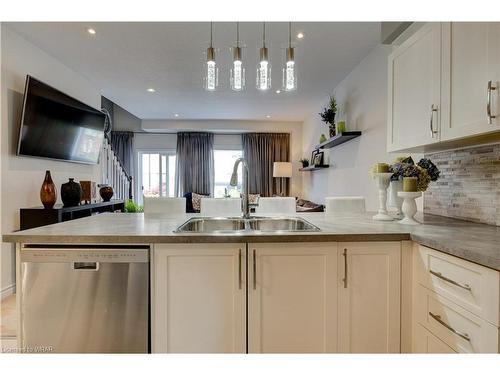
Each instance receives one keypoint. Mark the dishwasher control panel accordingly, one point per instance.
(61, 254)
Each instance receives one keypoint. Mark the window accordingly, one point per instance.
(157, 174)
(223, 165)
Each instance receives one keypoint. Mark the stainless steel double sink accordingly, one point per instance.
(241, 225)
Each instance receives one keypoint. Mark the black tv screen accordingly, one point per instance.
(57, 126)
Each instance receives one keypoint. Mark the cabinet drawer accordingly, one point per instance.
(462, 331)
(426, 342)
(474, 287)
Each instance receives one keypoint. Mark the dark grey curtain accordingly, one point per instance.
(122, 145)
(261, 150)
(195, 163)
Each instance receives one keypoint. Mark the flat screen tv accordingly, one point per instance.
(57, 126)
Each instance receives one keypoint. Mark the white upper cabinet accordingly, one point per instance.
(414, 90)
(444, 87)
(471, 64)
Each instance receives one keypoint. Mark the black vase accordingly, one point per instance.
(333, 130)
(71, 193)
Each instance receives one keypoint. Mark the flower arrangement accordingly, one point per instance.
(425, 171)
(328, 116)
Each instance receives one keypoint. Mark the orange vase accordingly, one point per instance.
(48, 192)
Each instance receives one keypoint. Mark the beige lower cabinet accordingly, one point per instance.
(292, 298)
(456, 301)
(426, 342)
(369, 297)
(199, 298)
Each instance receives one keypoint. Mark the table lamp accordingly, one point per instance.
(282, 170)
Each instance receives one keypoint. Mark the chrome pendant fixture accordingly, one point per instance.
(264, 65)
(211, 71)
(237, 72)
(289, 68)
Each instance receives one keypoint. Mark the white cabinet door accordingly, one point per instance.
(414, 80)
(471, 58)
(199, 298)
(369, 297)
(292, 298)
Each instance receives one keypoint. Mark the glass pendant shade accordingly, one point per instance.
(289, 71)
(237, 78)
(263, 71)
(211, 71)
(289, 68)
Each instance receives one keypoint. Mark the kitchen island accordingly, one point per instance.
(478, 243)
(356, 285)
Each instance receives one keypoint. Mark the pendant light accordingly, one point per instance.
(264, 66)
(289, 69)
(237, 72)
(211, 72)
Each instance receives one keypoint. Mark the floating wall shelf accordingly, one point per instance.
(314, 168)
(339, 139)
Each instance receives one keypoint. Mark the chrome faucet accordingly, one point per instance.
(245, 204)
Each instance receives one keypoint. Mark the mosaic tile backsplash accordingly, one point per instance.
(469, 186)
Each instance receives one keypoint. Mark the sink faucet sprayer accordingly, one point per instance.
(245, 206)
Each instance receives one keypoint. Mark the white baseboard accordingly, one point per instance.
(7, 291)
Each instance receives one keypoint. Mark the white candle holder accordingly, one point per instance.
(395, 201)
(409, 206)
(383, 180)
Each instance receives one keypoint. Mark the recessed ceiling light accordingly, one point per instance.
(91, 31)
(151, 89)
(176, 115)
(300, 35)
(268, 116)
(278, 91)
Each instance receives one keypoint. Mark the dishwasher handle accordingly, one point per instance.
(85, 266)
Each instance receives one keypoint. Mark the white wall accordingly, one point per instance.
(22, 177)
(227, 139)
(363, 95)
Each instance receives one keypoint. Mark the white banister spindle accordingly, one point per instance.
(113, 173)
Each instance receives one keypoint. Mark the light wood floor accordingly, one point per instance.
(8, 321)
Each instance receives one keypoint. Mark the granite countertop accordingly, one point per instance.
(477, 243)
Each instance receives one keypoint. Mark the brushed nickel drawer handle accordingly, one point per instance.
(345, 268)
(438, 319)
(254, 269)
(239, 269)
(463, 286)
(431, 123)
(488, 102)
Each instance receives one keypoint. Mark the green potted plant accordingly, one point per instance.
(305, 162)
(328, 115)
(131, 207)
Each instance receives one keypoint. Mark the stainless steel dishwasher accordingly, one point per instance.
(83, 299)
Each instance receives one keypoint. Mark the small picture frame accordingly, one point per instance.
(318, 158)
(313, 155)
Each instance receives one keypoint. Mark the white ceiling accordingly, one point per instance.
(124, 59)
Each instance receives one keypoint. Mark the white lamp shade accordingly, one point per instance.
(282, 169)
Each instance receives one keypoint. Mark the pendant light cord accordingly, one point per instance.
(211, 36)
(264, 34)
(237, 34)
(289, 34)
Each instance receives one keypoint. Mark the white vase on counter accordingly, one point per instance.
(394, 200)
